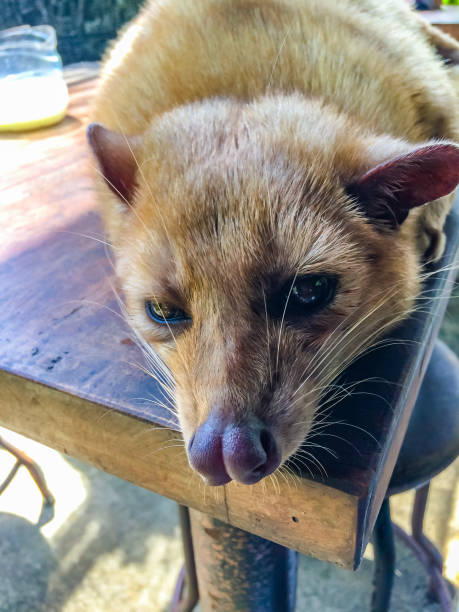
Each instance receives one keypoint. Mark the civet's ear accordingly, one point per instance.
(115, 155)
(389, 191)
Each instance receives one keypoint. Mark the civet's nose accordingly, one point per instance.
(222, 451)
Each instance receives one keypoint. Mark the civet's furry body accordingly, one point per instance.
(248, 119)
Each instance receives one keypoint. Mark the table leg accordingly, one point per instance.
(240, 571)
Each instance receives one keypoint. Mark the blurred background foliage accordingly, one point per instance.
(83, 26)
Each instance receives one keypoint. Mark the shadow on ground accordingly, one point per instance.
(118, 550)
(26, 563)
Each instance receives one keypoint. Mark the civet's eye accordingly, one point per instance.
(314, 291)
(163, 313)
(304, 296)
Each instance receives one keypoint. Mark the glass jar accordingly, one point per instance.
(33, 92)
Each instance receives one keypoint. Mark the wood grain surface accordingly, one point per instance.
(59, 318)
(71, 377)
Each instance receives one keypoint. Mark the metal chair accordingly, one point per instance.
(430, 445)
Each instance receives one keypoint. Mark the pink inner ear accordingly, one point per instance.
(390, 190)
(115, 154)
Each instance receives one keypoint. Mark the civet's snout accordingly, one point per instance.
(222, 450)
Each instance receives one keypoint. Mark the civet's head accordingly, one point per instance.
(260, 247)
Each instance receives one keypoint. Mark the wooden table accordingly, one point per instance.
(68, 373)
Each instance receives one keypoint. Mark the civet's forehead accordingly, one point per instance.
(235, 195)
(234, 235)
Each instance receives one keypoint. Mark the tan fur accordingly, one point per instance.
(251, 116)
